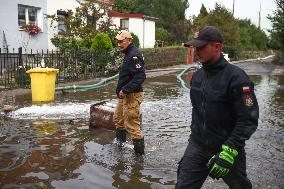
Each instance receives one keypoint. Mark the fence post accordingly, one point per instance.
(5, 67)
(20, 67)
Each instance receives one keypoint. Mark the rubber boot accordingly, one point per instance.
(121, 136)
(139, 146)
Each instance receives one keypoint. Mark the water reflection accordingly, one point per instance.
(128, 174)
(47, 153)
(270, 95)
(44, 129)
(39, 148)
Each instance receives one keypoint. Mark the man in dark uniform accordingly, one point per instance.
(130, 93)
(224, 115)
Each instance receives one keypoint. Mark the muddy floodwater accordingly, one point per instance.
(40, 148)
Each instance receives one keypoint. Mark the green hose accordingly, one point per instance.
(103, 82)
(87, 87)
(180, 80)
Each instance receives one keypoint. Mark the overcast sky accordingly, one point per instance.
(243, 9)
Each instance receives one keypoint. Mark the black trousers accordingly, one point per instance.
(192, 170)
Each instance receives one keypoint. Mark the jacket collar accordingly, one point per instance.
(128, 49)
(220, 64)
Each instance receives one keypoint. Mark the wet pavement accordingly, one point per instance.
(40, 148)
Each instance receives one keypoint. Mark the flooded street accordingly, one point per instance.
(40, 148)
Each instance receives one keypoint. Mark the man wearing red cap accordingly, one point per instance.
(224, 115)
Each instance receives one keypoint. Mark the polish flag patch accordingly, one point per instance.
(246, 89)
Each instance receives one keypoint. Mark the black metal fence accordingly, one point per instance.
(77, 65)
(72, 65)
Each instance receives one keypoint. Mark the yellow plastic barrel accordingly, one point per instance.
(43, 84)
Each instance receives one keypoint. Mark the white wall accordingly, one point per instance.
(17, 38)
(150, 33)
(52, 7)
(136, 26)
(145, 30)
(9, 24)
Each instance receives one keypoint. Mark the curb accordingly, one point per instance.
(250, 60)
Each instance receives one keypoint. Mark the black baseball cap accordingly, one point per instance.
(204, 36)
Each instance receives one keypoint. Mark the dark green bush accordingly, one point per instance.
(232, 51)
(135, 40)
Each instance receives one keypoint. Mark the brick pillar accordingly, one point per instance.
(190, 55)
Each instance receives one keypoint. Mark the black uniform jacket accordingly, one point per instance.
(225, 108)
(132, 72)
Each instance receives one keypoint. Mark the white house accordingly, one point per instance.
(16, 13)
(141, 25)
(58, 7)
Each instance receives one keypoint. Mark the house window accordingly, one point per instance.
(124, 24)
(32, 12)
(21, 15)
(27, 15)
(61, 21)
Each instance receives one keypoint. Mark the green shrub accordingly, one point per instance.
(67, 43)
(101, 42)
(85, 43)
(162, 34)
(232, 51)
(64, 43)
(135, 40)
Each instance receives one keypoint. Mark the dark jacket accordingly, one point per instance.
(225, 109)
(132, 72)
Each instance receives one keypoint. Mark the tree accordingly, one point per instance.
(169, 11)
(259, 38)
(277, 19)
(162, 34)
(203, 11)
(224, 20)
(251, 37)
(274, 42)
(277, 32)
(82, 25)
(245, 34)
(126, 6)
(200, 19)
(170, 14)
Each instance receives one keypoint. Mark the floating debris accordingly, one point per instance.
(101, 115)
(8, 108)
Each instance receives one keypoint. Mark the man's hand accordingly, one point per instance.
(121, 94)
(221, 164)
